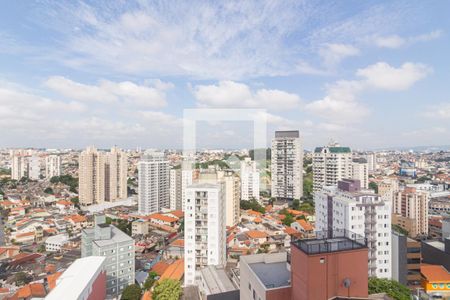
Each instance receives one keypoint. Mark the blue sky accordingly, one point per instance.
(369, 74)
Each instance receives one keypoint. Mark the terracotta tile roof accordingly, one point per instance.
(290, 230)
(147, 296)
(76, 218)
(160, 267)
(297, 212)
(230, 238)
(51, 279)
(24, 234)
(254, 213)
(64, 202)
(163, 218)
(174, 271)
(4, 290)
(178, 213)
(305, 225)
(178, 243)
(256, 234)
(435, 273)
(31, 290)
(257, 220)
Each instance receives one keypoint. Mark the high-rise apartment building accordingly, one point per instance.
(371, 161)
(348, 207)
(187, 177)
(287, 166)
(118, 248)
(249, 180)
(91, 174)
(175, 180)
(52, 166)
(232, 191)
(102, 176)
(204, 229)
(331, 164)
(34, 167)
(153, 183)
(360, 171)
(19, 166)
(116, 171)
(411, 209)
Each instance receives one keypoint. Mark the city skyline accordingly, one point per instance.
(122, 73)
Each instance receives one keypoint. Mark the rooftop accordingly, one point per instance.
(217, 280)
(333, 241)
(75, 279)
(435, 273)
(272, 275)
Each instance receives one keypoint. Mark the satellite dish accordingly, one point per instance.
(347, 282)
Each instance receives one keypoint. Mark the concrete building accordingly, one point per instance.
(348, 207)
(406, 259)
(436, 252)
(331, 164)
(34, 167)
(287, 166)
(371, 159)
(204, 229)
(91, 175)
(84, 279)
(331, 266)
(387, 189)
(19, 166)
(56, 242)
(232, 186)
(412, 204)
(249, 180)
(118, 248)
(175, 185)
(116, 175)
(360, 171)
(187, 178)
(139, 227)
(214, 284)
(265, 277)
(52, 166)
(153, 183)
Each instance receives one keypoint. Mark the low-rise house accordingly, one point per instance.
(161, 219)
(8, 252)
(56, 242)
(139, 226)
(257, 237)
(175, 249)
(303, 226)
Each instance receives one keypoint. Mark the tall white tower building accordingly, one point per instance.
(91, 176)
(19, 166)
(187, 178)
(52, 166)
(175, 189)
(116, 175)
(360, 171)
(34, 167)
(331, 164)
(348, 207)
(153, 183)
(287, 166)
(249, 180)
(204, 229)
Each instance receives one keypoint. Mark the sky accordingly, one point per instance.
(368, 74)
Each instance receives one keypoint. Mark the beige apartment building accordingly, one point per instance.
(102, 176)
(410, 209)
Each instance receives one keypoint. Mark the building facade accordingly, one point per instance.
(249, 180)
(116, 171)
(287, 166)
(204, 229)
(175, 184)
(348, 207)
(91, 174)
(52, 166)
(153, 183)
(331, 164)
(360, 171)
(412, 204)
(118, 248)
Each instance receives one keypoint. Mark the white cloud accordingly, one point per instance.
(111, 92)
(341, 104)
(395, 41)
(235, 94)
(440, 111)
(383, 76)
(333, 54)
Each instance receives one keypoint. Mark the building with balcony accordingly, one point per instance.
(348, 207)
(406, 259)
(204, 229)
(287, 166)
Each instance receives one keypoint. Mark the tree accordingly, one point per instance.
(20, 278)
(168, 289)
(392, 288)
(131, 292)
(253, 205)
(296, 204)
(400, 229)
(288, 220)
(151, 279)
(373, 186)
(48, 190)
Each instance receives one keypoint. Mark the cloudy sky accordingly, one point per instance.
(368, 74)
